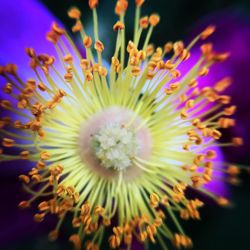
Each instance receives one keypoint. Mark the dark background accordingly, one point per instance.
(220, 228)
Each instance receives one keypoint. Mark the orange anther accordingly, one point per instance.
(118, 26)
(154, 19)
(87, 41)
(74, 13)
(93, 3)
(207, 32)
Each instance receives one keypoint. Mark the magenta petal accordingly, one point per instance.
(23, 24)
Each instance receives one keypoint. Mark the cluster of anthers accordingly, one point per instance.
(118, 147)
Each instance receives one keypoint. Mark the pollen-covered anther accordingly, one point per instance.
(77, 27)
(154, 200)
(7, 89)
(186, 146)
(161, 65)
(224, 99)
(118, 26)
(222, 201)
(57, 171)
(233, 170)
(169, 65)
(150, 50)
(95, 67)
(224, 122)
(229, 110)
(114, 241)
(53, 235)
(185, 55)
(6, 104)
(24, 178)
(151, 75)
(207, 49)
(216, 134)
(168, 47)
(207, 32)
(190, 104)
(237, 141)
(30, 52)
(139, 3)
(174, 86)
(9, 68)
(154, 19)
(198, 159)
(158, 222)
(203, 71)
(121, 7)
(151, 231)
(25, 155)
(93, 3)
(54, 34)
(87, 41)
(220, 57)
(99, 210)
(211, 154)
(40, 165)
(24, 204)
(223, 84)
(44, 155)
(178, 48)
(68, 77)
(193, 83)
(39, 217)
(89, 76)
(144, 22)
(7, 142)
(50, 61)
(102, 71)
(59, 31)
(99, 47)
(180, 240)
(143, 236)
(85, 64)
(74, 13)
(41, 86)
(175, 73)
(91, 246)
(115, 61)
(184, 114)
(117, 230)
(197, 181)
(136, 71)
(184, 214)
(68, 58)
(76, 240)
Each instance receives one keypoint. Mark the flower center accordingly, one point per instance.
(111, 139)
(115, 146)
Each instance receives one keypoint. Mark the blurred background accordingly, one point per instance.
(24, 23)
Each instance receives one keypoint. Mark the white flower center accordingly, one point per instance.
(115, 146)
(110, 139)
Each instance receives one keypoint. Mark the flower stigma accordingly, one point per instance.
(115, 146)
(112, 139)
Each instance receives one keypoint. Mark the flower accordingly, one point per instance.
(117, 147)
